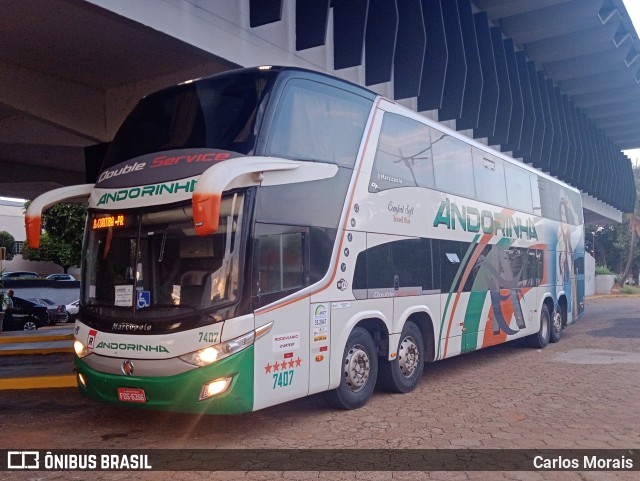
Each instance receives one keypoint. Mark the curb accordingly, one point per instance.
(36, 343)
(21, 344)
(38, 382)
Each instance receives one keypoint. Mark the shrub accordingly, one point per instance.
(603, 271)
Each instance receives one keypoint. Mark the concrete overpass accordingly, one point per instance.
(552, 82)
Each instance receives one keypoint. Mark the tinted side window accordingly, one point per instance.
(402, 267)
(318, 122)
(403, 157)
(518, 188)
(452, 164)
(450, 259)
(280, 262)
(488, 172)
(560, 204)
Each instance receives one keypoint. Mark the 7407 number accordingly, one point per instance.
(283, 379)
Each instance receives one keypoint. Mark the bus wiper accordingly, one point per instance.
(199, 311)
(162, 244)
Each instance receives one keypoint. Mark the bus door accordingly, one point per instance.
(281, 260)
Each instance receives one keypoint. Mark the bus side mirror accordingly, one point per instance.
(206, 213)
(34, 227)
(33, 217)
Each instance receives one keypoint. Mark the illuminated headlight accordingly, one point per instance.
(214, 388)
(80, 349)
(211, 354)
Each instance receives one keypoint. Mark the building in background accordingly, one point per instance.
(12, 221)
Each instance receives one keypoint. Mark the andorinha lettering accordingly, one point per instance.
(121, 346)
(148, 190)
(471, 219)
(107, 174)
(163, 160)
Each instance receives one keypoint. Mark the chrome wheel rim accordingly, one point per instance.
(408, 356)
(357, 368)
(557, 322)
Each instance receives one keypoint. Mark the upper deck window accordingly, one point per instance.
(318, 122)
(218, 113)
(403, 157)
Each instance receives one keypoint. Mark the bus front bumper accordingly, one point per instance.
(179, 393)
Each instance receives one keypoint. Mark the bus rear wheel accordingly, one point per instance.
(358, 372)
(403, 374)
(557, 324)
(540, 339)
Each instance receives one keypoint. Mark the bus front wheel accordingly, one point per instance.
(358, 371)
(540, 339)
(403, 374)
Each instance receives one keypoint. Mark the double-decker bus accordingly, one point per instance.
(269, 233)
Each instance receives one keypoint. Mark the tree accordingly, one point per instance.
(61, 241)
(615, 245)
(8, 242)
(634, 227)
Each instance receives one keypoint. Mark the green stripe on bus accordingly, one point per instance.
(180, 392)
(461, 269)
(472, 320)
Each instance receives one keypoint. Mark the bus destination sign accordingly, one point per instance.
(109, 221)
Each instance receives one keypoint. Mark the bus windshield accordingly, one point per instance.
(153, 261)
(218, 113)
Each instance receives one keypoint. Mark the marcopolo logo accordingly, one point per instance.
(471, 219)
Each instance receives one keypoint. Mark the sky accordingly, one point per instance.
(633, 8)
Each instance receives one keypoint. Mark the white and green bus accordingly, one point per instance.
(269, 233)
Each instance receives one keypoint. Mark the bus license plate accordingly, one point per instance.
(131, 395)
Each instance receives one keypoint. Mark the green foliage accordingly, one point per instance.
(61, 242)
(629, 290)
(613, 242)
(9, 242)
(603, 271)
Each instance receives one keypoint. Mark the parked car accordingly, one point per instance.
(72, 309)
(60, 277)
(26, 315)
(57, 312)
(13, 275)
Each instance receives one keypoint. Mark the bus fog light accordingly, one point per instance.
(82, 380)
(214, 388)
(80, 349)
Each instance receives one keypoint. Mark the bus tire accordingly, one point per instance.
(540, 339)
(358, 372)
(555, 332)
(403, 374)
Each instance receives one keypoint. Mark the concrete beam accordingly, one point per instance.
(72, 106)
(35, 157)
(597, 212)
(25, 129)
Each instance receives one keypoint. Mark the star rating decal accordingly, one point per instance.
(282, 365)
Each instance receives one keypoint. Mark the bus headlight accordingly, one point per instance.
(210, 354)
(80, 349)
